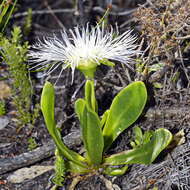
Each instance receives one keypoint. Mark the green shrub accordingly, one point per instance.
(14, 53)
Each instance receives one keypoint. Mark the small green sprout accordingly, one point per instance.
(59, 176)
(32, 144)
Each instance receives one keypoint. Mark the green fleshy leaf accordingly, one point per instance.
(115, 171)
(144, 154)
(104, 118)
(75, 168)
(79, 109)
(90, 95)
(47, 107)
(124, 111)
(140, 138)
(138, 135)
(147, 136)
(91, 132)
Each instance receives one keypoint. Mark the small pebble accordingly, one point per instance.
(4, 121)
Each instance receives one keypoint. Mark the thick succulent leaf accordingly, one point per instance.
(93, 136)
(91, 132)
(47, 107)
(144, 154)
(75, 168)
(79, 109)
(147, 136)
(90, 95)
(104, 118)
(140, 138)
(115, 171)
(138, 134)
(125, 109)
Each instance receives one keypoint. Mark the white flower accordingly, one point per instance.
(83, 49)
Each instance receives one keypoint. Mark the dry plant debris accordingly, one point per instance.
(165, 25)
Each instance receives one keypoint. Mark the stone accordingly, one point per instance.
(5, 90)
(3, 145)
(4, 121)
(28, 173)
